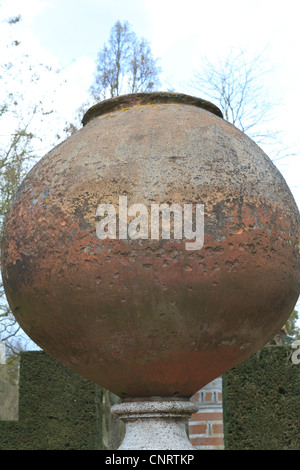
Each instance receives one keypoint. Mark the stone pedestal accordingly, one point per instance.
(155, 424)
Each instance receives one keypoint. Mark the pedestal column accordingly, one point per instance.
(155, 424)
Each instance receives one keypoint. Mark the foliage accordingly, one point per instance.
(291, 329)
(261, 405)
(60, 410)
(12, 364)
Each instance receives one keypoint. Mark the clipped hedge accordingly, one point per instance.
(58, 409)
(261, 402)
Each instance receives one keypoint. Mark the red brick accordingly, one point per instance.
(207, 441)
(208, 396)
(211, 441)
(215, 416)
(217, 428)
(198, 429)
(195, 441)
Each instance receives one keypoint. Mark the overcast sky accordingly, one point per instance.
(69, 33)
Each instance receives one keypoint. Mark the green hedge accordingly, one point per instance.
(261, 402)
(58, 409)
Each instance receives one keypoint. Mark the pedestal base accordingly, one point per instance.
(155, 424)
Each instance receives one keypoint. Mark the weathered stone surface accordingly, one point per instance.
(156, 424)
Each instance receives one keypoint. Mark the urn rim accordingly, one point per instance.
(158, 97)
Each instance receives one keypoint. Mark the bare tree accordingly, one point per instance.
(237, 85)
(124, 65)
(21, 112)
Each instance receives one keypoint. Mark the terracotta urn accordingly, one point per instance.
(154, 249)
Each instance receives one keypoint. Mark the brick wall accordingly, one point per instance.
(206, 426)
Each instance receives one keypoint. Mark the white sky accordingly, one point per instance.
(69, 33)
